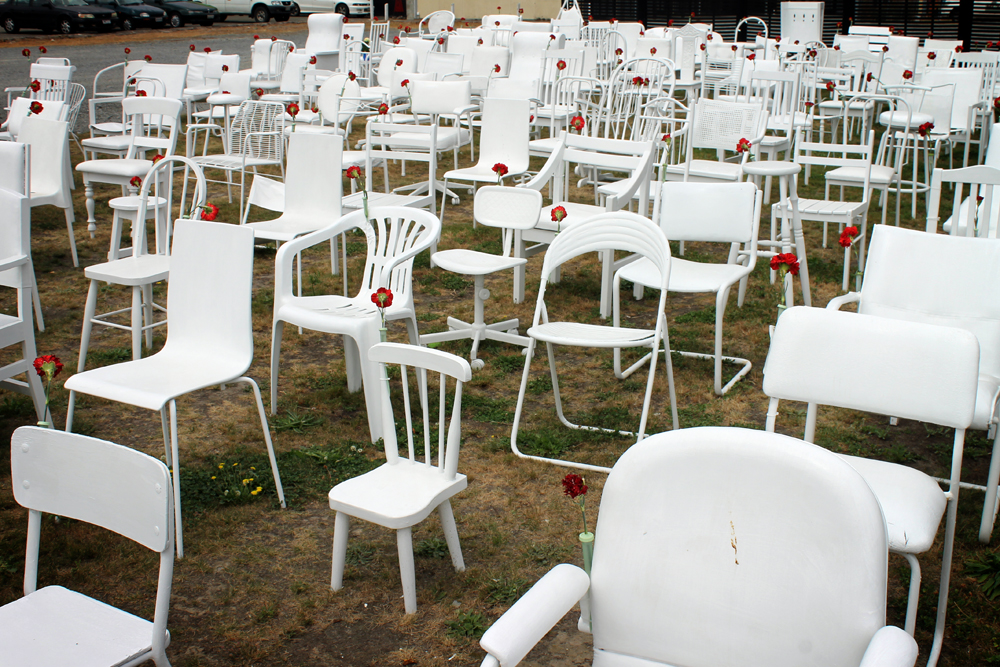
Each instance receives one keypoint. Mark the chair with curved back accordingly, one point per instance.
(210, 341)
(719, 546)
(418, 486)
(434, 23)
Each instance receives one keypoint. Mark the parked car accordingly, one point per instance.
(345, 7)
(64, 16)
(180, 12)
(133, 14)
(261, 11)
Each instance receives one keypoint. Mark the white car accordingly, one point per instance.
(345, 7)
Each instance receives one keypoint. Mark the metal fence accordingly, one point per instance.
(974, 21)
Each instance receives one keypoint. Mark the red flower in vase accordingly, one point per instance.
(351, 76)
(496, 68)
(26, 53)
(209, 212)
(382, 298)
(135, 182)
(500, 169)
(127, 51)
(652, 51)
(847, 236)
(383, 109)
(36, 108)
(925, 128)
(148, 58)
(750, 56)
(907, 74)
(395, 40)
(933, 56)
(831, 86)
(577, 123)
(573, 486)
(35, 85)
(48, 366)
(558, 214)
(140, 93)
(190, 47)
(560, 65)
(292, 109)
(743, 145)
(42, 50)
(786, 260)
(312, 60)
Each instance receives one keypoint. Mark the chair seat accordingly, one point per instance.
(881, 175)
(372, 93)
(151, 382)
(111, 142)
(228, 162)
(472, 263)
(57, 626)
(481, 173)
(574, 213)
(216, 113)
(897, 119)
(447, 138)
(837, 108)
(198, 94)
(685, 275)
(288, 227)
(546, 145)
(590, 335)
(912, 502)
(313, 129)
(108, 128)
(131, 203)
(396, 496)
(117, 168)
(711, 169)
(355, 201)
(131, 271)
(330, 313)
(820, 209)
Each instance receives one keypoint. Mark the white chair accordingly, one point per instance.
(15, 176)
(495, 206)
(434, 23)
(51, 177)
(719, 125)
(106, 485)
(381, 145)
(151, 130)
(326, 36)
(632, 234)
(903, 50)
(16, 272)
(375, 94)
(979, 221)
(947, 281)
(20, 109)
(503, 139)
(255, 140)
(141, 269)
(418, 486)
(54, 80)
(967, 106)
(210, 340)
(395, 235)
(733, 217)
(772, 552)
(907, 369)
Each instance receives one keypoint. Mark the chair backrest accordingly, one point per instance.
(435, 22)
(967, 84)
(277, 55)
(504, 137)
(209, 293)
(634, 157)
(422, 360)
(259, 57)
(313, 182)
(173, 77)
(326, 32)
(465, 46)
(936, 279)
(49, 141)
(942, 46)
(379, 145)
(154, 122)
(20, 110)
(982, 181)
(779, 93)
(734, 216)
(486, 58)
(443, 64)
(77, 95)
(721, 125)
(218, 64)
(632, 33)
(196, 60)
(507, 208)
(773, 551)
(157, 185)
(15, 232)
(988, 61)
(291, 75)
(54, 80)
(903, 50)
(526, 51)
(848, 43)
(338, 99)
(841, 154)
(388, 65)
(235, 83)
(634, 84)
(438, 98)
(252, 119)
(899, 367)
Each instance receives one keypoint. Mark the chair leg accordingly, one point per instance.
(945, 582)
(136, 322)
(341, 529)
(147, 313)
(70, 408)
(451, 535)
(88, 325)
(267, 437)
(90, 204)
(165, 426)
(70, 218)
(990, 504)
(175, 472)
(913, 599)
(279, 326)
(35, 300)
(404, 545)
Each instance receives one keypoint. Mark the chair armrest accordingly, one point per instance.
(548, 170)
(521, 627)
(890, 647)
(838, 301)
(286, 253)
(13, 262)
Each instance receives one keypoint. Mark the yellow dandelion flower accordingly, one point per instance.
(259, 489)
(235, 464)
(252, 468)
(245, 482)
(213, 476)
(221, 465)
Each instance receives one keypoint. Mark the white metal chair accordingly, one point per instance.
(141, 269)
(955, 289)
(51, 177)
(210, 340)
(623, 231)
(909, 369)
(713, 543)
(714, 212)
(718, 125)
(16, 272)
(418, 486)
(106, 485)
(15, 176)
(255, 140)
(495, 206)
(434, 23)
(380, 146)
(395, 235)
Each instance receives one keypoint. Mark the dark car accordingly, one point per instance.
(64, 16)
(134, 13)
(180, 12)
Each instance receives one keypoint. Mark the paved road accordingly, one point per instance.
(92, 52)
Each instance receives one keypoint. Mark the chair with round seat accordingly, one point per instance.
(154, 122)
(495, 206)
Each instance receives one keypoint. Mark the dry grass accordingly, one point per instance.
(253, 587)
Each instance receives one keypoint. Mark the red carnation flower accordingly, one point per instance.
(573, 486)
(42, 49)
(354, 171)
(560, 65)
(785, 261)
(136, 182)
(209, 212)
(577, 123)
(191, 47)
(47, 366)
(497, 68)
(140, 93)
(382, 298)
(292, 109)
(907, 74)
(148, 58)
(743, 145)
(352, 76)
(383, 108)
(26, 53)
(36, 107)
(35, 85)
(127, 50)
(558, 214)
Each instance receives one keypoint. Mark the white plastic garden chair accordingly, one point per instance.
(210, 340)
(712, 212)
(51, 177)
(949, 281)
(622, 231)
(15, 176)
(910, 369)
(503, 139)
(418, 487)
(16, 272)
(107, 485)
(255, 140)
(716, 545)
(141, 269)
(398, 235)
(495, 206)
(151, 130)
